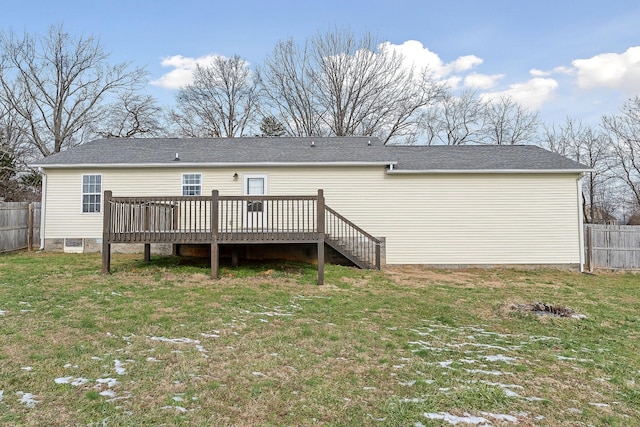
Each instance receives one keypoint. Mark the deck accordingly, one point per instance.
(216, 220)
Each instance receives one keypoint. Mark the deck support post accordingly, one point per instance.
(215, 255)
(320, 205)
(147, 252)
(106, 226)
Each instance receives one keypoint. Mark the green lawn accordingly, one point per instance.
(162, 344)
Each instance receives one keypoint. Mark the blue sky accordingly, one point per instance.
(565, 58)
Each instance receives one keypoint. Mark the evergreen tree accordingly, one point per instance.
(270, 127)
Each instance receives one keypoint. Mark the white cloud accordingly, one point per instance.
(539, 73)
(481, 81)
(557, 70)
(182, 73)
(421, 57)
(531, 94)
(610, 70)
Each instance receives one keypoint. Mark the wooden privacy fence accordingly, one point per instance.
(19, 226)
(612, 246)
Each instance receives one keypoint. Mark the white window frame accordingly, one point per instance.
(97, 195)
(191, 185)
(245, 182)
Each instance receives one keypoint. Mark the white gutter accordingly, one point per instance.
(43, 207)
(180, 164)
(485, 171)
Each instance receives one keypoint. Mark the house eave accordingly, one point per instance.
(180, 164)
(484, 171)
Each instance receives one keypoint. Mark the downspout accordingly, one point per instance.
(580, 221)
(43, 209)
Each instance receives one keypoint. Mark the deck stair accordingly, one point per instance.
(355, 244)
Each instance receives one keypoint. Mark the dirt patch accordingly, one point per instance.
(411, 273)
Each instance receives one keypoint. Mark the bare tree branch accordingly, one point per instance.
(222, 101)
(56, 86)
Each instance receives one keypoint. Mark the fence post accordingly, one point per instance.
(214, 235)
(320, 222)
(106, 224)
(30, 228)
(589, 246)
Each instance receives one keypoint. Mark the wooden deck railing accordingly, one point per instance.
(219, 219)
(352, 241)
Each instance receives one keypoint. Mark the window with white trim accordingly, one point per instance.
(191, 184)
(91, 193)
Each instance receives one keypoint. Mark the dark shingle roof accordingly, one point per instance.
(283, 151)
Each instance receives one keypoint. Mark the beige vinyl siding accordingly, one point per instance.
(425, 218)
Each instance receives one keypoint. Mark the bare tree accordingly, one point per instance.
(56, 86)
(508, 123)
(592, 147)
(624, 130)
(132, 115)
(339, 84)
(222, 101)
(459, 119)
(287, 88)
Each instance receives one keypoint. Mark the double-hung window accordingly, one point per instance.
(91, 193)
(191, 184)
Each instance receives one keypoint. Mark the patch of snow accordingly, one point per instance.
(258, 374)
(574, 359)
(96, 358)
(119, 367)
(202, 350)
(446, 363)
(107, 393)
(600, 405)
(368, 388)
(407, 383)
(510, 393)
(110, 382)
(453, 419)
(118, 398)
(27, 368)
(214, 335)
(27, 399)
(152, 359)
(63, 380)
(72, 381)
(177, 408)
(178, 398)
(1, 394)
(482, 371)
(499, 358)
(2, 312)
(199, 347)
(376, 419)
